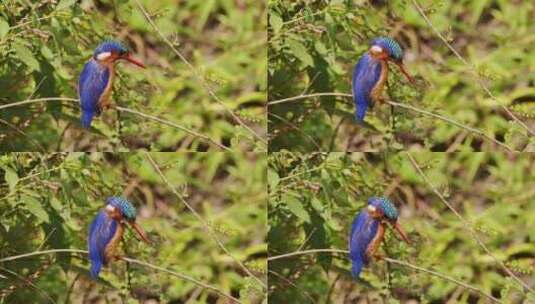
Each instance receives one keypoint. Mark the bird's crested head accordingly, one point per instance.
(384, 206)
(110, 51)
(127, 210)
(390, 46)
(110, 46)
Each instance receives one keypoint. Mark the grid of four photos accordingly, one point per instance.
(241, 151)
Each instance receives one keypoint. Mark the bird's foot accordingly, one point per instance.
(109, 106)
(378, 257)
(118, 257)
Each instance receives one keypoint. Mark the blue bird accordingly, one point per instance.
(371, 73)
(367, 232)
(106, 232)
(96, 79)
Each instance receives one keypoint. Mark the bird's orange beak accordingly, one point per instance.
(404, 71)
(139, 231)
(401, 232)
(134, 61)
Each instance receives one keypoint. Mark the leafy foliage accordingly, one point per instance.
(313, 199)
(314, 45)
(43, 48)
(49, 201)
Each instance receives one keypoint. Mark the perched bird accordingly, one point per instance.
(106, 231)
(96, 80)
(368, 229)
(371, 72)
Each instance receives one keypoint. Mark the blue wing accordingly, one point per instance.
(93, 81)
(365, 75)
(363, 231)
(101, 232)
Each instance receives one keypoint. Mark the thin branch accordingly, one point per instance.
(404, 106)
(182, 276)
(14, 127)
(207, 227)
(466, 224)
(293, 126)
(201, 79)
(453, 122)
(29, 101)
(122, 109)
(471, 67)
(172, 124)
(392, 261)
(148, 265)
(285, 280)
(274, 102)
(29, 282)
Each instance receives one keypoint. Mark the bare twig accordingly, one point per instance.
(206, 226)
(30, 283)
(201, 79)
(148, 265)
(172, 124)
(274, 102)
(404, 106)
(466, 224)
(285, 280)
(392, 261)
(453, 122)
(472, 68)
(182, 276)
(122, 109)
(33, 141)
(293, 126)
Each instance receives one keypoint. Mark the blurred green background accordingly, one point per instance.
(43, 47)
(314, 45)
(313, 199)
(49, 201)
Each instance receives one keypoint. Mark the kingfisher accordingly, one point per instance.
(107, 229)
(368, 229)
(371, 73)
(96, 79)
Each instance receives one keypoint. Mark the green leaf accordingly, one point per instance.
(296, 207)
(26, 56)
(46, 52)
(301, 52)
(63, 4)
(56, 204)
(12, 178)
(273, 179)
(275, 21)
(4, 28)
(34, 206)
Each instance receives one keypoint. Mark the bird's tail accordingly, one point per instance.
(356, 267)
(96, 265)
(361, 105)
(362, 108)
(87, 117)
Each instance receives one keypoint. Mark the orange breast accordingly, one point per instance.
(377, 90)
(111, 249)
(105, 97)
(376, 241)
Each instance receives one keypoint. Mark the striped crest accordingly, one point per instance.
(390, 45)
(127, 209)
(110, 46)
(386, 205)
